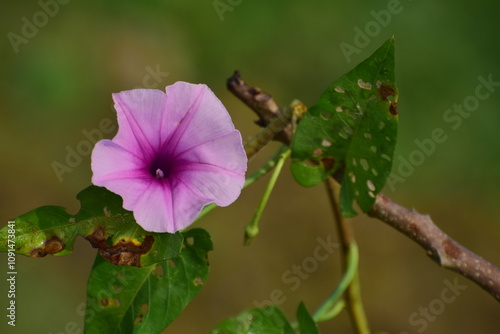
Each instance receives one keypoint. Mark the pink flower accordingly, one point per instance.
(174, 153)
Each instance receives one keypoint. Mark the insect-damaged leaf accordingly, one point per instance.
(352, 130)
(125, 299)
(102, 221)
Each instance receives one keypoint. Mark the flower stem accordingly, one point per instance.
(252, 229)
(352, 294)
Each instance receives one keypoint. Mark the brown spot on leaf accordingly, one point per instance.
(37, 252)
(51, 246)
(385, 92)
(123, 252)
(328, 162)
(158, 270)
(138, 319)
(171, 263)
(393, 109)
(99, 233)
(198, 281)
(143, 310)
(317, 152)
(126, 258)
(105, 302)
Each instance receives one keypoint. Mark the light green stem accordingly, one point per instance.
(252, 229)
(329, 308)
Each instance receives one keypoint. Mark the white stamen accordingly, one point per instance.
(159, 174)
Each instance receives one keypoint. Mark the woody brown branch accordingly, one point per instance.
(439, 246)
(442, 249)
(276, 122)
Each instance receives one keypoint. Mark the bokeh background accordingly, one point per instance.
(60, 82)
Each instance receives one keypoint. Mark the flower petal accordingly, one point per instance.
(188, 135)
(168, 206)
(153, 209)
(226, 152)
(203, 119)
(112, 161)
(213, 183)
(140, 115)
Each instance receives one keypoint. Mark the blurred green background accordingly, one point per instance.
(60, 81)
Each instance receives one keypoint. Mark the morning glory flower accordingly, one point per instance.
(174, 153)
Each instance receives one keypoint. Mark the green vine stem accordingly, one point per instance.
(345, 232)
(252, 229)
(334, 304)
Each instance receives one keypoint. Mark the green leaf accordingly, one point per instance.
(306, 322)
(125, 299)
(267, 320)
(102, 221)
(351, 132)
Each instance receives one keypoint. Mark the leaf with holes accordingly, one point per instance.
(125, 299)
(351, 132)
(102, 221)
(269, 320)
